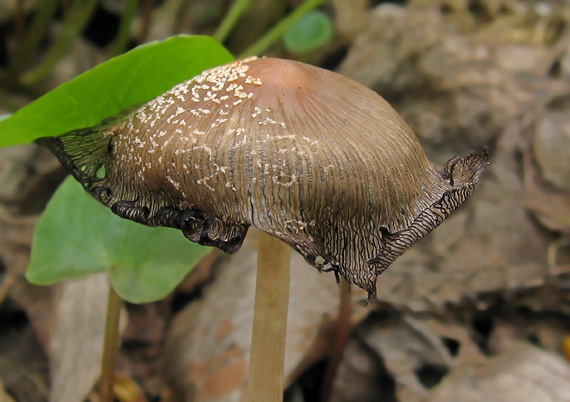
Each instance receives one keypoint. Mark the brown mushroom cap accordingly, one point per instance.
(307, 155)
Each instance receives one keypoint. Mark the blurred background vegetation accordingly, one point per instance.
(45, 43)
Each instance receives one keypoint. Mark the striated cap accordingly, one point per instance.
(307, 155)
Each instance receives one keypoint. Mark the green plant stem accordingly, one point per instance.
(110, 345)
(74, 24)
(278, 30)
(38, 28)
(123, 36)
(230, 20)
(267, 357)
(342, 332)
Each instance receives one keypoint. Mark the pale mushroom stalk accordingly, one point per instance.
(306, 155)
(267, 356)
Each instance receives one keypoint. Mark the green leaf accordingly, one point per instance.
(310, 32)
(77, 236)
(111, 87)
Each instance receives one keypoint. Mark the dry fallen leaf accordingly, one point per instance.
(551, 146)
(76, 342)
(547, 186)
(350, 16)
(523, 374)
(360, 376)
(456, 84)
(415, 352)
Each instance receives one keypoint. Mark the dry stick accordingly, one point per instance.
(267, 357)
(110, 345)
(5, 286)
(146, 16)
(342, 332)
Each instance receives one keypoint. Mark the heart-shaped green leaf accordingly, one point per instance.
(77, 236)
(310, 32)
(111, 87)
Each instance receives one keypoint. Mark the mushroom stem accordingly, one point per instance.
(267, 357)
(107, 381)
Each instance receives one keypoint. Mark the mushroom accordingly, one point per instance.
(306, 155)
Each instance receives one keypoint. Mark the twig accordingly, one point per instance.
(342, 333)
(146, 17)
(5, 286)
(267, 357)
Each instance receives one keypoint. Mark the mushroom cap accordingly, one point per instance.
(305, 154)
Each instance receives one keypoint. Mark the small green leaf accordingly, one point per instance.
(77, 236)
(310, 32)
(111, 87)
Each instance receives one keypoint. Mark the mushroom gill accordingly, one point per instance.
(304, 154)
